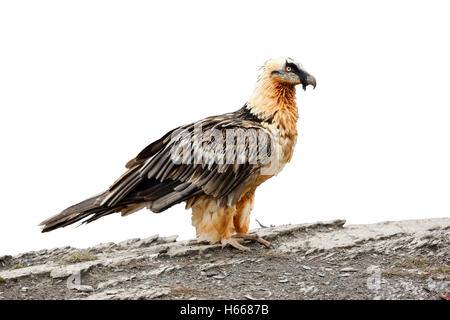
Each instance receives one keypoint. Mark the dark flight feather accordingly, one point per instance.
(155, 181)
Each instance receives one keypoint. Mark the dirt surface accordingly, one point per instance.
(390, 260)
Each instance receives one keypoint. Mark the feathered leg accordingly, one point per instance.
(241, 223)
(214, 223)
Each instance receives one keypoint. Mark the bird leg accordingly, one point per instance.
(237, 239)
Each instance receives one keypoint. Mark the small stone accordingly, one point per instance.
(127, 243)
(160, 270)
(146, 242)
(24, 289)
(111, 292)
(343, 275)
(61, 273)
(83, 288)
(211, 273)
(349, 269)
(167, 239)
(152, 256)
(306, 267)
(421, 244)
(283, 280)
(330, 255)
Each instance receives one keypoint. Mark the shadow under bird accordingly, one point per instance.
(214, 165)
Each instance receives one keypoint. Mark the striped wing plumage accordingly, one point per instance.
(214, 156)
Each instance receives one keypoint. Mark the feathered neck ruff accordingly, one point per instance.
(275, 102)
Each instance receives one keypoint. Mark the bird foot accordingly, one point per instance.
(234, 243)
(253, 237)
(237, 240)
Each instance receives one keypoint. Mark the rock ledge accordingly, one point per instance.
(325, 260)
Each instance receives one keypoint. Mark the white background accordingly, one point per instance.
(85, 85)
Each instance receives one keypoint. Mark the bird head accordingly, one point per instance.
(288, 71)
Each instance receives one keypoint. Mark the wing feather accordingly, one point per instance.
(192, 160)
(211, 163)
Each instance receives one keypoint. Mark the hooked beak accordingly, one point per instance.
(307, 79)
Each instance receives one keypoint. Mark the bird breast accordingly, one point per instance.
(283, 149)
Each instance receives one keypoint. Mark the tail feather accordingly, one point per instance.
(75, 213)
(155, 195)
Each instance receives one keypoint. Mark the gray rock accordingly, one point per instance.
(127, 243)
(111, 292)
(167, 239)
(82, 288)
(306, 267)
(146, 242)
(392, 260)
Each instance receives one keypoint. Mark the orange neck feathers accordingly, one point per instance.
(272, 100)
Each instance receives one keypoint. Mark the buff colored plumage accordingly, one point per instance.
(214, 165)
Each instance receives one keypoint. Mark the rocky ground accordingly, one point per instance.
(326, 260)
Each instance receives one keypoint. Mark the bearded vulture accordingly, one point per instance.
(214, 165)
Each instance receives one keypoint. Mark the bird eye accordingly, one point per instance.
(288, 69)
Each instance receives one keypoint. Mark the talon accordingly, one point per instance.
(234, 243)
(266, 243)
